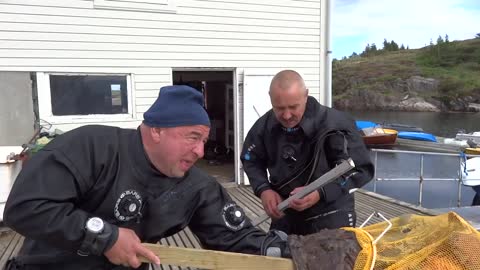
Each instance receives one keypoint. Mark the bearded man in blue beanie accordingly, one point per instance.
(90, 197)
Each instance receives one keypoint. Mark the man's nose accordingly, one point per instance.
(199, 149)
(287, 115)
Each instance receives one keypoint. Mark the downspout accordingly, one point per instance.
(325, 53)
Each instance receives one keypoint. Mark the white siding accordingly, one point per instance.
(77, 36)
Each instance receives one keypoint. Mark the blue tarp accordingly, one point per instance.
(365, 124)
(419, 136)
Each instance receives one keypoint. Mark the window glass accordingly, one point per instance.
(88, 94)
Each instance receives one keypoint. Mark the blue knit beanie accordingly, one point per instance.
(177, 105)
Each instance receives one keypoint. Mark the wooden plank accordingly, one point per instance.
(246, 41)
(6, 239)
(248, 192)
(153, 25)
(86, 4)
(193, 239)
(209, 259)
(179, 243)
(252, 208)
(128, 55)
(17, 247)
(178, 48)
(11, 247)
(170, 242)
(199, 15)
(225, 63)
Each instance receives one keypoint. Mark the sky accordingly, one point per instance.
(356, 23)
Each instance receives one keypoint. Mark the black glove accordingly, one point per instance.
(275, 244)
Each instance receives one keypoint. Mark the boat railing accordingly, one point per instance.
(421, 178)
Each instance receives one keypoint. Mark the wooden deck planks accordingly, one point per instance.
(10, 244)
(366, 203)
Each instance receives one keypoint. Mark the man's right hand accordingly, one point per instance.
(127, 248)
(270, 201)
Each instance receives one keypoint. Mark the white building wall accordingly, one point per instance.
(78, 36)
(150, 38)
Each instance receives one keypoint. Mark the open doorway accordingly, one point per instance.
(217, 89)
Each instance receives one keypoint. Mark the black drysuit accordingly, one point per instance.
(297, 156)
(89, 172)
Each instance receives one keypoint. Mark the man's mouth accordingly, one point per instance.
(186, 164)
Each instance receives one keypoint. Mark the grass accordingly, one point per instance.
(456, 65)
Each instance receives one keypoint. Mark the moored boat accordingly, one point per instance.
(459, 143)
(471, 172)
(474, 136)
(472, 150)
(379, 136)
(361, 124)
(401, 127)
(419, 136)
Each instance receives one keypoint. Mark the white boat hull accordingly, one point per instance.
(475, 136)
(471, 172)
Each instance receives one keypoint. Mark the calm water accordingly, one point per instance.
(439, 124)
(436, 194)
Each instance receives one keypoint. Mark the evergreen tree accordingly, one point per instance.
(439, 45)
(478, 35)
(439, 40)
(366, 52)
(393, 46)
(402, 47)
(446, 38)
(386, 45)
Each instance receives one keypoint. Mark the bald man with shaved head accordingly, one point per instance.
(297, 141)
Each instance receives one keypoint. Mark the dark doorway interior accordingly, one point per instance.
(217, 89)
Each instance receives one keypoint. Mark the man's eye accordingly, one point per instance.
(193, 139)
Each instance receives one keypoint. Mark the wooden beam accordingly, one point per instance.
(216, 260)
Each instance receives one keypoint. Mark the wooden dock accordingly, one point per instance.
(366, 203)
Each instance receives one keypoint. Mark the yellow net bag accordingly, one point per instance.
(419, 242)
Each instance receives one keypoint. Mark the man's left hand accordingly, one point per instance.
(306, 202)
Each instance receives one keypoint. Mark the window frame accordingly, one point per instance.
(45, 102)
(167, 6)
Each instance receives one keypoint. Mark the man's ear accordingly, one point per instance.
(306, 91)
(156, 133)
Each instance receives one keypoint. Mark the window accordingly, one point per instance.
(83, 96)
(145, 5)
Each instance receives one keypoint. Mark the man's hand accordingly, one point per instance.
(127, 248)
(270, 201)
(307, 201)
